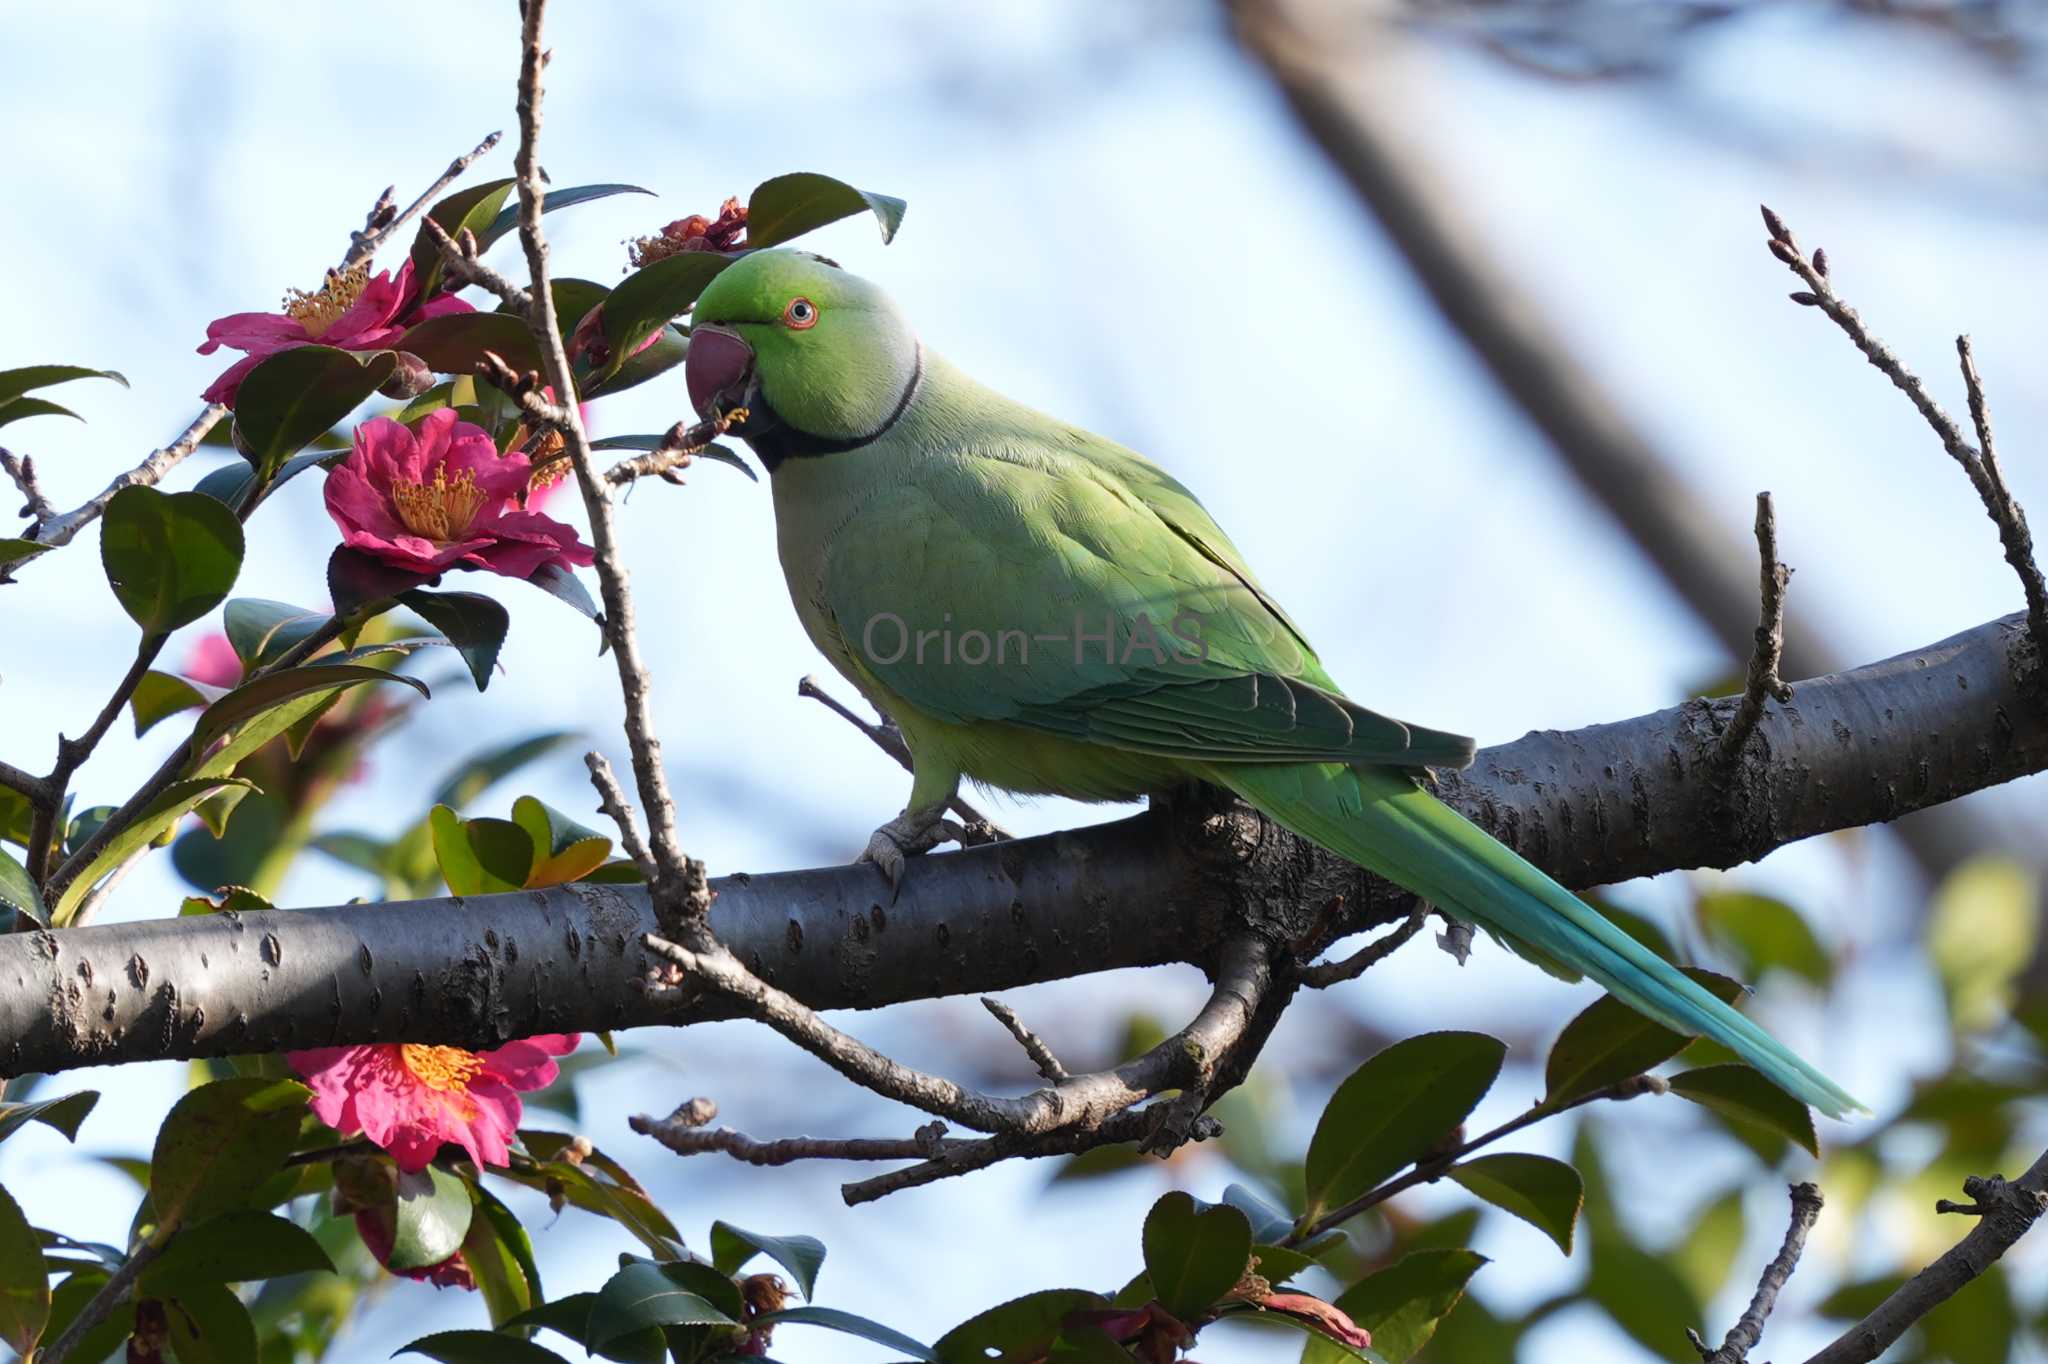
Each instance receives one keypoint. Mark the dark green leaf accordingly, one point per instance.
(24, 1279)
(1401, 1305)
(209, 1325)
(15, 382)
(645, 300)
(1269, 1221)
(1395, 1109)
(848, 1324)
(1543, 1192)
(294, 397)
(150, 822)
(18, 894)
(219, 1144)
(564, 850)
(356, 581)
(1644, 1296)
(480, 1347)
(508, 219)
(480, 856)
(63, 1113)
(478, 774)
(1019, 1331)
(475, 624)
(1742, 1093)
(454, 342)
(790, 205)
(158, 696)
(620, 872)
(568, 1316)
(500, 1258)
(234, 1248)
(19, 551)
(170, 557)
(669, 350)
(732, 1247)
(642, 1295)
(1762, 933)
(1194, 1257)
(475, 208)
(263, 631)
(1278, 1264)
(20, 409)
(1609, 1042)
(560, 582)
(273, 690)
(432, 1217)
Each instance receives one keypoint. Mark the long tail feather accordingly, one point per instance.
(1382, 821)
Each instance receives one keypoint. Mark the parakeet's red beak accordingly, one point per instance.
(717, 369)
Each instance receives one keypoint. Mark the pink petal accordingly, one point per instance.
(224, 388)
(262, 332)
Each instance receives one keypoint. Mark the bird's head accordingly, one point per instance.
(820, 358)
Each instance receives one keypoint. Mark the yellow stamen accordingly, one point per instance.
(441, 511)
(318, 311)
(448, 1069)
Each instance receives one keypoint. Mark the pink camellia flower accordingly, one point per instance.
(410, 1099)
(214, 662)
(352, 310)
(438, 495)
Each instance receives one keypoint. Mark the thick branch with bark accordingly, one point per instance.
(1590, 806)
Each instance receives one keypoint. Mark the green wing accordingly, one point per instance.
(1071, 587)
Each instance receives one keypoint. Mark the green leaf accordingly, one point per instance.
(150, 822)
(1644, 1295)
(475, 624)
(790, 205)
(1762, 933)
(475, 208)
(480, 856)
(645, 300)
(1984, 923)
(560, 582)
(732, 1247)
(21, 409)
(670, 349)
(1277, 1264)
(1194, 1257)
(1019, 1331)
(1334, 1349)
(159, 696)
(14, 551)
(15, 382)
(170, 557)
(1706, 1256)
(273, 690)
(846, 1323)
(264, 631)
(453, 343)
(500, 1257)
(432, 1216)
(1609, 1042)
(64, 1113)
(356, 582)
(653, 441)
(479, 773)
(480, 1347)
(18, 892)
(1395, 1109)
(568, 1316)
(1742, 1093)
(209, 1325)
(218, 1146)
(508, 219)
(598, 1185)
(296, 396)
(1401, 1305)
(235, 1247)
(564, 850)
(1545, 1193)
(642, 1295)
(24, 1279)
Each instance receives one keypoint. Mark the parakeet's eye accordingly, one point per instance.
(800, 313)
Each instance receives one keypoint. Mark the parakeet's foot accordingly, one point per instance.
(907, 835)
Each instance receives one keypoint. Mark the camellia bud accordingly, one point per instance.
(410, 377)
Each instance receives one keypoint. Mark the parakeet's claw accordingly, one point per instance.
(907, 835)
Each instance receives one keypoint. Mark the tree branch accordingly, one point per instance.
(377, 228)
(1591, 806)
(1748, 1329)
(1763, 681)
(61, 530)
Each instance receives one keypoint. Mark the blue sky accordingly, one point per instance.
(1112, 218)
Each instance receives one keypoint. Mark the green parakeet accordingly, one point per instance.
(1041, 610)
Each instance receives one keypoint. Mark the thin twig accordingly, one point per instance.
(684, 1132)
(99, 1304)
(60, 530)
(22, 469)
(612, 800)
(462, 257)
(1749, 1328)
(1034, 1046)
(14, 779)
(978, 827)
(1980, 466)
(363, 244)
(1325, 974)
(1770, 637)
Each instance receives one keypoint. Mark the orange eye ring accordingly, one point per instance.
(800, 315)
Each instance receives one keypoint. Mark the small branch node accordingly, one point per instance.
(1764, 681)
(1034, 1046)
(1325, 974)
(611, 799)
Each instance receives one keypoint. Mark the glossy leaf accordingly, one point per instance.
(1019, 1331)
(431, 1218)
(18, 893)
(1269, 1221)
(1395, 1109)
(21, 409)
(568, 1316)
(1401, 1305)
(480, 1347)
(1194, 1256)
(151, 822)
(296, 396)
(475, 624)
(846, 1323)
(644, 301)
(219, 1144)
(356, 582)
(1545, 1193)
(564, 850)
(475, 208)
(170, 557)
(24, 1279)
(269, 692)
(562, 583)
(508, 218)
(599, 1185)
(1743, 1094)
(158, 696)
(1764, 933)
(670, 349)
(642, 1295)
(479, 856)
(1609, 1042)
(15, 551)
(263, 631)
(454, 342)
(15, 382)
(209, 1325)
(500, 1258)
(788, 206)
(732, 1247)
(62, 1114)
(235, 1247)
